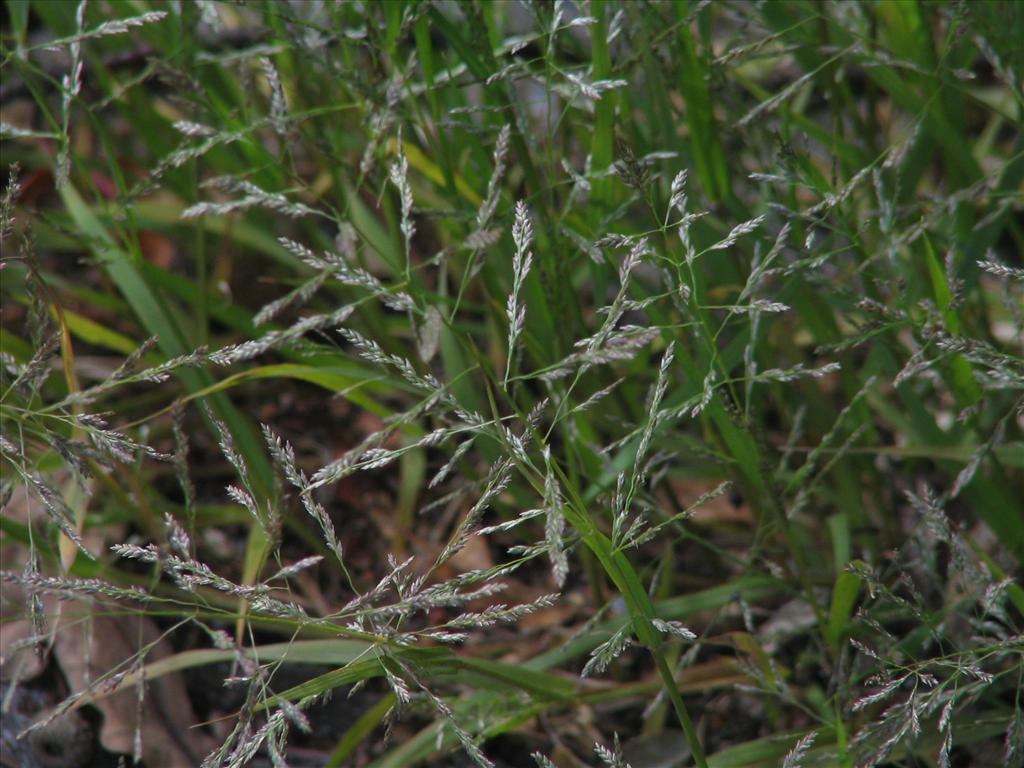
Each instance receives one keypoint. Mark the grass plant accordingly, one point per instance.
(551, 376)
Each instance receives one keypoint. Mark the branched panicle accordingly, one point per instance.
(294, 335)
(614, 346)
(797, 371)
(157, 374)
(522, 260)
(296, 298)
(338, 266)
(227, 446)
(177, 537)
(991, 265)
(10, 196)
(278, 105)
(252, 197)
(284, 456)
(678, 198)
(608, 651)
(738, 231)
(498, 480)
(490, 202)
(673, 628)
(795, 757)
(59, 511)
(71, 84)
(318, 513)
(399, 175)
(608, 343)
(612, 758)
(373, 352)
(73, 588)
(452, 462)
(38, 368)
(554, 524)
(131, 362)
(660, 387)
(634, 172)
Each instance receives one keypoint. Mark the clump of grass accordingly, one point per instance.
(695, 328)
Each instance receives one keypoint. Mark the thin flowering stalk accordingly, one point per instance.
(71, 85)
(660, 387)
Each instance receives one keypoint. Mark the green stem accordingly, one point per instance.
(689, 730)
